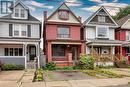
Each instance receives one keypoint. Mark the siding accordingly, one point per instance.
(4, 30)
(13, 60)
(35, 31)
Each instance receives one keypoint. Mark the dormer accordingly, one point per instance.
(20, 11)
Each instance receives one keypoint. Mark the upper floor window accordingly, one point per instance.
(19, 13)
(101, 18)
(20, 30)
(63, 32)
(127, 35)
(16, 12)
(22, 13)
(64, 15)
(102, 32)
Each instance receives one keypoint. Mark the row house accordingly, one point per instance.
(99, 33)
(123, 34)
(63, 42)
(19, 36)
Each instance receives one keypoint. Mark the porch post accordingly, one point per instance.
(111, 52)
(92, 51)
(49, 52)
(37, 54)
(24, 54)
(120, 52)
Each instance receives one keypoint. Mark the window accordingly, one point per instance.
(22, 13)
(101, 18)
(13, 51)
(20, 30)
(102, 32)
(64, 15)
(127, 35)
(19, 13)
(16, 12)
(63, 32)
(5, 6)
(23, 30)
(58, 50)
(16, 30)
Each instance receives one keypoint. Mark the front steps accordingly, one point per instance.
(31, 65)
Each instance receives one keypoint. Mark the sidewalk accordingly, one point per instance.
(79, 83)
(27, 77)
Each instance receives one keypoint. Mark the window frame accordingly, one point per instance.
(60, 37)
(101, 18)
(127, 33)
(12, 51)
(20, 30)
(64, 51)
(20, 13)
(67, 18)
(107, 31)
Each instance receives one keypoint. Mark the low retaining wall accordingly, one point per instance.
(13, 60)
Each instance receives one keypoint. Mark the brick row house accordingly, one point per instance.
(20, 35)
(63, 42)
(123, 34)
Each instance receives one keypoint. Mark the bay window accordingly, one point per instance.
(63, 32)
(102, 32)
(58, 50)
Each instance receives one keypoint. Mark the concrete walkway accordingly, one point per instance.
(26, 81)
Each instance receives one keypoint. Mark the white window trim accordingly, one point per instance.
(99, 20)
(127, 32)
(19, 16)
(20, 30)
(103, 27)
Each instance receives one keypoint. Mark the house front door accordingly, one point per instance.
(74, 54)
(32, 52)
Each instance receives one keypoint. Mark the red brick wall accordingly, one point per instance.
(51, 32)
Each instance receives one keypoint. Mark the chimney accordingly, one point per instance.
(45, 15)
(80, 18)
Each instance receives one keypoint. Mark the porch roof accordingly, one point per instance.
(97, 42)
(126, 44)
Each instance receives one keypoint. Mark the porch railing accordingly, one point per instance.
(106, 57)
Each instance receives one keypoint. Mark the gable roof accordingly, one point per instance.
(123, 20)
(19, 2)
(93, 15)
(8, 17)
(60, 7)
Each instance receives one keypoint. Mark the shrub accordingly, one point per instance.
(86, 62)
(68, 68)
(39, 75)
(12, 67)
(50, 66)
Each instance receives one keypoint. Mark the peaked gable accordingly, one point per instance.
(101, 12)
(19, 3)
(54, 17)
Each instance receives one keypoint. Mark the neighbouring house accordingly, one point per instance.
(63, 42)
(20, 35)
(99, 32)
(123, 34)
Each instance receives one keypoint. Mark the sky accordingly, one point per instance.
(82, 8)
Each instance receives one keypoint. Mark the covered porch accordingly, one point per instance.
(65, 53)
(104, 50)
(19, 53)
